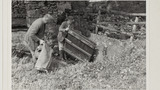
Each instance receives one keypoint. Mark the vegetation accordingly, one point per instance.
(120, 64)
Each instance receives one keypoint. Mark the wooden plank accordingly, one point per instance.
(128, 14)
(113, 30)
(132, 23)
(76, 52)
(104, 27)
(72, 54)
(80, 44)
(135, 23)
(125, 13)
(108, 23)
(68, 41)
(16, 30)
(83, 39)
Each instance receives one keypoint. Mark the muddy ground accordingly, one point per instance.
(122, 67)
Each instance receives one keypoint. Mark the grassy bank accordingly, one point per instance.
(122, 68)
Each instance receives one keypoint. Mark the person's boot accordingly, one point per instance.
(33, 58)
(61, 53)
(64, 55)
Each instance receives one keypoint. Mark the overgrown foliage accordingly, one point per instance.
(120, 64)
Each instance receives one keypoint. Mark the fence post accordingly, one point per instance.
(134, 28)
(98, 19)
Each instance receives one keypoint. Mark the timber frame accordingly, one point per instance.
(134, 24)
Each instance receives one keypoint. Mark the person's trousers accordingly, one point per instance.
(60, 46)
(61, 50)
(31, 45)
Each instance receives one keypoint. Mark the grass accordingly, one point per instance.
(123, 68)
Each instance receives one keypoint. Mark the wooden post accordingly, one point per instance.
(98, 19)
(135, 26)
(134, 29)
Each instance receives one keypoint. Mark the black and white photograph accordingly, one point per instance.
(78, 45)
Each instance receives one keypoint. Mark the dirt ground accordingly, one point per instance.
(122, 67)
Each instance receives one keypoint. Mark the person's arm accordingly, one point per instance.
(34, 30)
(63, 28)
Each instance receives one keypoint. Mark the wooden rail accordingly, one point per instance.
(79, 36)
(68, 41)
(132, 23)
(17, 30)
(72, 54)
(113, 30)
(128, 14)
(135, 23)
(124, 13)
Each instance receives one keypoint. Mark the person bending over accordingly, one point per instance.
(35, 34)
